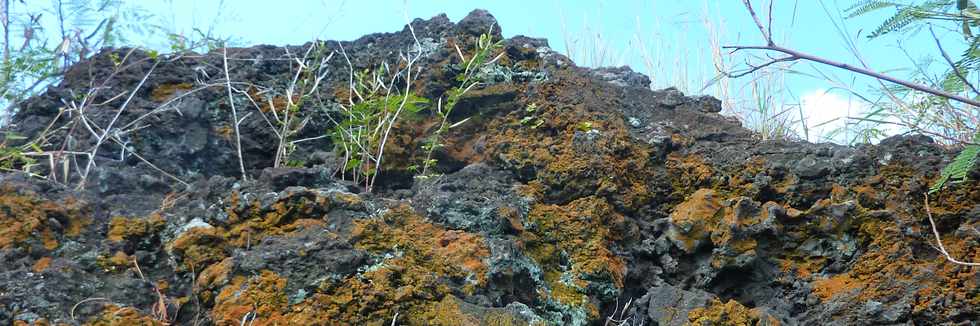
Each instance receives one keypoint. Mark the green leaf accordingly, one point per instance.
(353, 164)
(864, 7)
(13, 136)
(958, 171)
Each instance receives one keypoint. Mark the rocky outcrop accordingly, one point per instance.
(568, 193)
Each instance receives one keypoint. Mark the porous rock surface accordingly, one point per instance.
(607, 193)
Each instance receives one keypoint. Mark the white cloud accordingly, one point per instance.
(826, 114)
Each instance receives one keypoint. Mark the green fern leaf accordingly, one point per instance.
(864, 7)
(908, 14)
(958, 171)
(952, 82)
(901, 19)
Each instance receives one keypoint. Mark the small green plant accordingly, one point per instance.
(773, 119)
(116, 60)
(375, 105)
(290, 119)
(198, 40)
(531, 118)
(469, 78)
(15, 158)
(958, 171)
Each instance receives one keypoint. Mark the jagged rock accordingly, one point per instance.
(479, 22)
(624, 77)
(567, 192)
(476, 198)
(669, 305)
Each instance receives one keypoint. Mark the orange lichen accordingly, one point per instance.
(113, 315)
(41, 264)
(48, 239)
(410, 280)
(889, 266)
(77, 220)
(704, 216)
(399, 285)
(742, 179)
(25, 217)
(213, 278)
(448, 252)
(279, 104)
(215, 275)
(116, 262)
(447, 312)
(804, 266)
(838, 284)
(167, 91)
(37, 322)
(347, 200)
(129, 229)
(290, 214)
(690, 172)
(582, 231)
(450, 311)
(564, 161)
(572, 295)
(728, 225)
(838, 192)
(729, 313)
(891, 263)
(695, 219)
(226, 131)
(199, 247)
(420, 256)
(260, 299)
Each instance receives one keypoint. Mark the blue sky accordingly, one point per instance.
(669, 40)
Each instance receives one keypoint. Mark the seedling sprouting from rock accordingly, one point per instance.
(469, 78)
(374, 105)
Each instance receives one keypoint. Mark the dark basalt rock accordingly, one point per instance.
(568, 192)
(669, 305)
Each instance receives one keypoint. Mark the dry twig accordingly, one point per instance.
(108, 129)
(234, 115)
(939, 240)
(793, 55)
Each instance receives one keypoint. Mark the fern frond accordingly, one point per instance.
(908, 14)
(970, 59)
(864, 7)
(952, 82)
(959, 170)
(902, 18)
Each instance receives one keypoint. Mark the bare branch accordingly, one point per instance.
(234, 114)
(758, 23)
(771, 46)
(952, 65)
(754, 68)
(939, 240)
(108, 128)
(769, 27)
